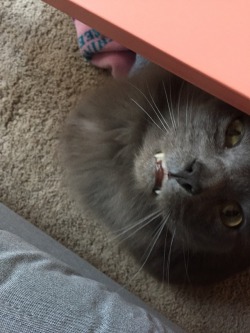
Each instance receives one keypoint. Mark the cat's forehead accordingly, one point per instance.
(209, 114)
(206, 106)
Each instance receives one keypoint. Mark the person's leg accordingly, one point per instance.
(39, 293)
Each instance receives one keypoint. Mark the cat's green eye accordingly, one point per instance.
(234, 133)
(231, 215)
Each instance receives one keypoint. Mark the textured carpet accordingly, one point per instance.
(41, 77)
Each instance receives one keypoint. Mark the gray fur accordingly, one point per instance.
(109, 144)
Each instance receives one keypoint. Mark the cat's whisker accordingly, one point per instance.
(186, 111)
(146, 113)
(151, 246)
(170, 110)
(169, 255)
(138, 225)
(179, 99)
(170, 91)
(156, 234)
(164, 251)
(155, 213)
(159, 112)
(186, 262)
(171, 102)
(164, 257)
(185, 249)
(155, 110)
(134, 204)
(191, 107)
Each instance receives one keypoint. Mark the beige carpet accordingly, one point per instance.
(41, 76)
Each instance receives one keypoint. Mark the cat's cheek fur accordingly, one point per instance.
(144, 174)
(217, 238)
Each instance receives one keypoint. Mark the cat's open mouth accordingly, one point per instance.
(160, 172)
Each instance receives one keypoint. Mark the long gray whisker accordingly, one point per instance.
(159, 112)
(191, 106)
(169, 254)
(186, 250)
(164, 254)
(144, 95)
(146, 113)
(186, 261)
(171, 102)
(150, 248)
(141, 225)
(179, 99)
(132, 225)
(169, 108)
(186, 111)
(157, 231)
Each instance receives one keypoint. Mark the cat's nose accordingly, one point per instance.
(189, 177)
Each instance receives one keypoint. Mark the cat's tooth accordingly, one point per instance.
(157, 192)
(159, 157)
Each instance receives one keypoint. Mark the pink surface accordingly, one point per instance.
(205, 42)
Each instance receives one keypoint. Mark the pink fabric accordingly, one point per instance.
(103, 52)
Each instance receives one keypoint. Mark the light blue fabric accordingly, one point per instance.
(39, 293)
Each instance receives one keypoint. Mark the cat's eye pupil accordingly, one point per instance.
(231, 215)
(234, 133)
(231, 212)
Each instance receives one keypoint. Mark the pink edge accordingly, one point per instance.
(206, 43)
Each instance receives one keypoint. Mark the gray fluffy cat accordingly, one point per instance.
(167, 167)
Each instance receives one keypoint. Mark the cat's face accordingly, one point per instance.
(167, 168)
(196, 161)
